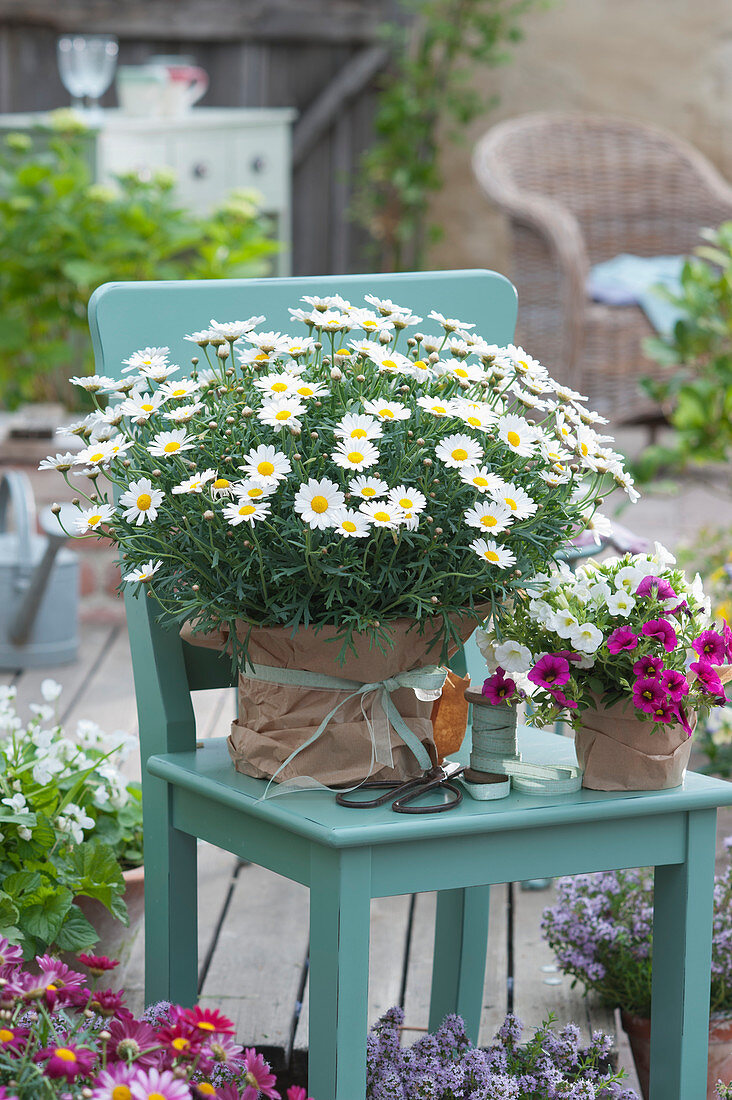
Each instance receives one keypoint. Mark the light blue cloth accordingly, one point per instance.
(633, 280)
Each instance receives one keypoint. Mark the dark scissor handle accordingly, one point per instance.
(404, 793)
(401, 807)
(390, 788)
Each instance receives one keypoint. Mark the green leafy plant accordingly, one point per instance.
(697, 394)
(428, 93)
(69, 821)
(62, 235)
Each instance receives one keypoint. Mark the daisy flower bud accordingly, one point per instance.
(336, 374)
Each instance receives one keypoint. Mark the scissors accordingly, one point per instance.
(403, 794)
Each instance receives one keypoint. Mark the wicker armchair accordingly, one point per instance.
(579, 189)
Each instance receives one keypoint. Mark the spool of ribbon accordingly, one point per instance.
(426, 682)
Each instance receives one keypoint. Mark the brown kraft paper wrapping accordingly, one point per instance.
(618, 752)
(273, 720)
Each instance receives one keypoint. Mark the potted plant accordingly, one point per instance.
(354, 497)
(626, 651)
(445, 1065)
(64, 1037)
(70, 829)
(601, 930)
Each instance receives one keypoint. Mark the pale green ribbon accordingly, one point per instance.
(495, 749)
(427, 683)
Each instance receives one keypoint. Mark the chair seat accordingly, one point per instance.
(314, 815)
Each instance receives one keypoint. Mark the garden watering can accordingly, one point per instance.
(39, 583)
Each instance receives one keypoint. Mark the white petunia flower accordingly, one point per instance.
(662, 556)
(141, 501)
(246, 511)
(16, 802)
(368, 487)
(586, 637)
(281, 412)
(195, 483)
(170, 443)
(91, 518)
(620, 603)
(493, 554)
(267, 463)
(459, 450)
(319, 503)
(50, 690)
(352, 524)
(358, 426)
(518, 435)
(382, 513)
(411, 501)
(514, 657)
(629, 577)
(354, 454)
(387, 410)
(489, 516)
(480, 478)
(562, 622)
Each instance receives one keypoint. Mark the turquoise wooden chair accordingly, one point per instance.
(347, 858)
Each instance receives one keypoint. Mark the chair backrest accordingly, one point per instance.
(126, 316)
(632, 187)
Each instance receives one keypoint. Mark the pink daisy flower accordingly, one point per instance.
(258, 1077)
(66, 1061)
(115, 1082)
(157, 1085)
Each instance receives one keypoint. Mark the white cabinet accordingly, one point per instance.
(212, 151)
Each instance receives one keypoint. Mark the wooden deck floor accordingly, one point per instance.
(253, 925)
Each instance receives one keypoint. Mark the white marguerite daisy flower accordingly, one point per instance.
(267, 463)
(554, 477)
(365, 347)
(232, 330)
(514, 657)
(140, 501)
(352, 524)
(141, 406)
(222, 487)
(390, 362)
(383, 513)
(333, 321)
(355, 454)
(403, 318)
(492, 553)
(459, 450)
(183, 413)
(278, 384)
(467, 372)
(330, 301)
(202, 337)
(410, 500)
(59, 462)
(144, 573)
(450, 324)
(586, 637)
(435, 405)
(247, 356)
(96, 454)
(518, 435)
(489, 515)
(307, 390)
(92, 383)
(158, 372)
(92, 518)
(480, 478)
(369, 321)
(182, 387)
(246, 511)
(319, 503)
(384, 305)
(422, 369)
(255, 488)
(387, 410)
(170, 443)
(516, 499)
(358, 426)
(281, 412)
(297, 345)
(368, 487)
(195, 483)
(146, 357)
(267, 342)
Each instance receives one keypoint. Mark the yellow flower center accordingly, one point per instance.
(305, 391)
(513, 438)
(121, 1092)
(155, 1096)
(261, 356)
(511, 503)
(221, 483)
(387, 413)
(368, 491)
(460, 372)
(255, 491)
(319, 504)
(488, 521)
(358, 433)
(97, 456)
(420, 364)
(480, 480)
(474, 421)
(205, 1086)
(406, 503)
(343, 351)
(5, 1035)
(490, 555)
(147, 407)
(279, 387)
(382, 517)
(144, 501)
(247, 509)
(180, 1043)
(171, 446)
(355, 456)
(584, 449)
(348, 525)
(283, 414)
(389, 363)
(65, 1054)
(205, 1025)
(94, 520)
(439, 410)
(180, 392)
(295, 349)
(460, 454)
(265, 468)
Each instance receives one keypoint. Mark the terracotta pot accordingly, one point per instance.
(116, 939)
(619, 752)
(638, 1030)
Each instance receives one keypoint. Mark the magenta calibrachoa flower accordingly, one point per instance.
(623, 631)
(499, 689)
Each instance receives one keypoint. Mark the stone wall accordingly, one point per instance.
(665, 62)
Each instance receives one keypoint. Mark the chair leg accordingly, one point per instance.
(340, 896)
(682, 948)
(171, 904)
(461, 944)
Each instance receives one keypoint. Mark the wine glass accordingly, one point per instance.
(86, 64)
